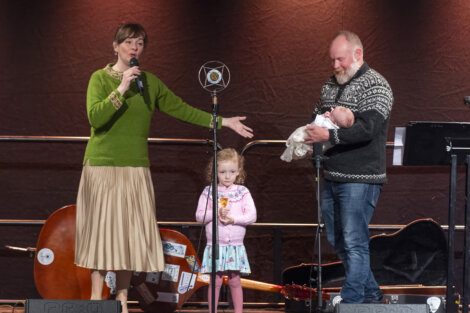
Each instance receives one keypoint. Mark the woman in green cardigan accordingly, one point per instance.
(116, 227)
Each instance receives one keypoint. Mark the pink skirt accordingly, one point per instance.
(116, 227)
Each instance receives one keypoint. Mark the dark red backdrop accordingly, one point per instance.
(277, 54)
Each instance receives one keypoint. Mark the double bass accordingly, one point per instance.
(57, 277)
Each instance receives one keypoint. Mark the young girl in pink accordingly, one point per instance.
(236, 211)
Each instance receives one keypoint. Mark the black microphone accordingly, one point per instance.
(138, 79)
(318, 154)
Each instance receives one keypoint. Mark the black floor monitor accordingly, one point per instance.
(428, 143)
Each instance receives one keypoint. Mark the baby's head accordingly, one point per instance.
(226, 157)
(342, 116)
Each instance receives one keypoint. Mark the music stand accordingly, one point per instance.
(445, 143)
(455, 147)
(426, 142)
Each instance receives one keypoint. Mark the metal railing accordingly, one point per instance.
(186, 141)
(266, 142)
(71, 139)
(180, 224)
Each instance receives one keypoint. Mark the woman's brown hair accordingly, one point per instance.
(130, 30)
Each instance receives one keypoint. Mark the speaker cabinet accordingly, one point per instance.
(72, 306)
(381, 308)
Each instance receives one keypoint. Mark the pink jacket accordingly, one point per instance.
(242, 210)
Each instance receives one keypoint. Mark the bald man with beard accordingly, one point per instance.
(354, 169)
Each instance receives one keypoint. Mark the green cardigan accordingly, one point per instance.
(120, 123)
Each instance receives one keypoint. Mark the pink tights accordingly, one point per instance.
(235, 290)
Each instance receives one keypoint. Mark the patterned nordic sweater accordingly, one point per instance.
(358, 154)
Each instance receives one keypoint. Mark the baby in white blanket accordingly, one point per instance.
(338, 117)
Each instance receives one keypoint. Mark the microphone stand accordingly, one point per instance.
(215, 207)
(214, 76)
(317, 160)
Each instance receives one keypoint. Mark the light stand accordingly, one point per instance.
(317, 162)
(214, 76)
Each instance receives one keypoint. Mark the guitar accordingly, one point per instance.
(169, 290)
(57, 277)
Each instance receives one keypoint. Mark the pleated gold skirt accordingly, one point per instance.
(116, 227)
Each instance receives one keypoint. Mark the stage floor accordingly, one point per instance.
(18, 307)
(11, 309)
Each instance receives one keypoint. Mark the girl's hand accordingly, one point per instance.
(223, 220)
(223, 212)
(226, 220)
(235, 124)
(128, 77)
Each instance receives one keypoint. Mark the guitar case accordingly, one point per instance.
(414, 255)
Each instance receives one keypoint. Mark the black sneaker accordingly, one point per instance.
(379, 299)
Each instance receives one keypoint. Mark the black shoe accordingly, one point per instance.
(378, 300)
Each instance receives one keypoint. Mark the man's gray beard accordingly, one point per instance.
(350, 72)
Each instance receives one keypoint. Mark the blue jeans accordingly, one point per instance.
(347, 209)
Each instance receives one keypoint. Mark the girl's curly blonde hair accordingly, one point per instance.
(228, 154)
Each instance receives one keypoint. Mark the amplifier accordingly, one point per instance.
(434, 304)
(381, 308)
(72, 306)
